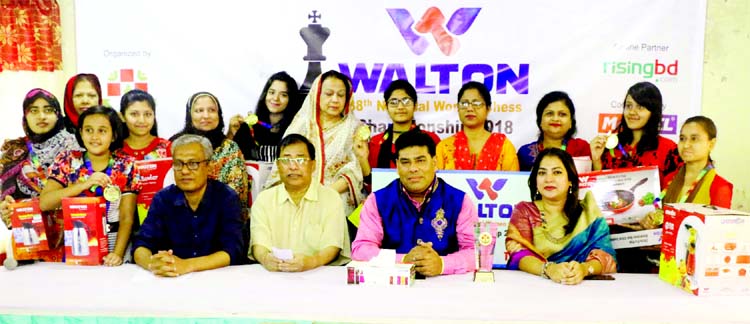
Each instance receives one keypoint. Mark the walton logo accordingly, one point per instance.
(489, 187)
(432, 22)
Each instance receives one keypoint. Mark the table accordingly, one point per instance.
(49, 291)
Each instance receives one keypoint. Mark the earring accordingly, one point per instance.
(570, 190)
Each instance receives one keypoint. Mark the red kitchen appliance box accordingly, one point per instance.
(36, 235)
(85, 238)
(706, 249)
(153, 175)
(625, 196)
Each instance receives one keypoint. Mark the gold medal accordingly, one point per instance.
(112, 193)
(251, 119)
(363, 132)
(612, 141)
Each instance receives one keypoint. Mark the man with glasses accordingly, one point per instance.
(299, 224)
(195, 224)
(401, 100)
(428, 222)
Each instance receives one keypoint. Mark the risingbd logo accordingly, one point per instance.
(123, 80)
(433, 22)
(487, 187)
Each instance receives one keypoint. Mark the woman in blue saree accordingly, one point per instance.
(557, 236)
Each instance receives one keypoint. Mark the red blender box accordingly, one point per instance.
(85, 238)
(706, 249)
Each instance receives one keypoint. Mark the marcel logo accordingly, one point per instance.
(609, 122)
(491, 188)
(433, 22)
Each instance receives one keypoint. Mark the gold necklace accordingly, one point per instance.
(545, 230)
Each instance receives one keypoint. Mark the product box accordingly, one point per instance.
(85, 238)
(36, 234)
(625, 196)
(706, 249)
(257, 173)
(368, 273)
(29, 227)
(153, 175)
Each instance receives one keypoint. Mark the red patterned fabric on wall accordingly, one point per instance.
(30, 35)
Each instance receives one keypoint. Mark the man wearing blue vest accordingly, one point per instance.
(428, 222)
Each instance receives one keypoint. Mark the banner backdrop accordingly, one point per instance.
(594, 50)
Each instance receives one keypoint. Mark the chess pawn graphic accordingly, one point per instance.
(80, 239)
(314, 36)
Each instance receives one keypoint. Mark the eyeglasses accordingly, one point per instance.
(476, 104)
(177, 165)
(393, 102)
(295, 161)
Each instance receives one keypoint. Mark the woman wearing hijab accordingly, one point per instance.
(203, 116)
(82, 92)
(24, 161)
(327, 120)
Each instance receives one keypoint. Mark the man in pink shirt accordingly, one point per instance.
(428, 222)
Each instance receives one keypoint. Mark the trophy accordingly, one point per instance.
(485, 236)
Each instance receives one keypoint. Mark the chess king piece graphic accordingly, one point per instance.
(314, 36)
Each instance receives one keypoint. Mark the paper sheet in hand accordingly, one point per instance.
(282, 254)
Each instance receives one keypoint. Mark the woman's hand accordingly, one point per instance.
(575, 273)
(653, 219)
(5, 210)
(513, 246)
(234, 125)
(566, 273)
(112, 260)
(597, 147)
(97, 179)
(361, 149)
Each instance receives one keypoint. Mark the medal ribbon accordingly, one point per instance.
(34, 159)
(98, 190)
(684, 197)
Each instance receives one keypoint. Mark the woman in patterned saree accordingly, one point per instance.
(327, 120)
(555, 235)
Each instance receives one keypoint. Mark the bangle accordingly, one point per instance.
(544, 270)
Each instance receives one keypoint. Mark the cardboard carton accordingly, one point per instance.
(706, 249)
(85, 238)
(153, 175)
(36, 234)
(625, 196)
(371, 274)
